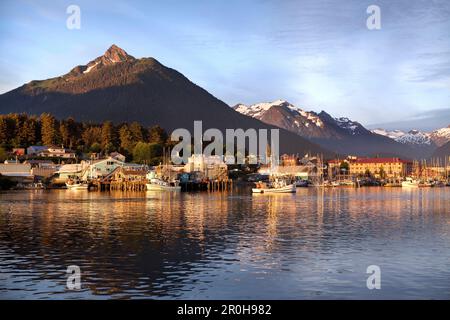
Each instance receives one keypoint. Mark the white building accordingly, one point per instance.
(211, 167)
(20, 172)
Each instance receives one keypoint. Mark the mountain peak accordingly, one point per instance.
(116, 54)
(113, 55)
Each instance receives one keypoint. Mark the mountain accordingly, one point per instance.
(341, 135)
(443, 152)
(121, 88)
(440, 136)
(425, 142)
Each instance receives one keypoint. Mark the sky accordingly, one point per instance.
(318, 55)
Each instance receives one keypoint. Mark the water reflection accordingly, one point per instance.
(315, 244)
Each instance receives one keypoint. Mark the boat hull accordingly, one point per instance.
(409, 185)
(157, 187)
(287, 189)
(78, 186)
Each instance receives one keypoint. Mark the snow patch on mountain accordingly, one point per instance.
(347, 124)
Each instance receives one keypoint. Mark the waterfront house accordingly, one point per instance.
(67, 171)
(101, 168)
(128, 173)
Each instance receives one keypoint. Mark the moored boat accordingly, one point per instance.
(277, 186)
(72, 184)
(410, 183)
(161, 185)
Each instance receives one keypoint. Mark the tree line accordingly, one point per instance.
(137, 143)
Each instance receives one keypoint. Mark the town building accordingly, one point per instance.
(101, 168)
(208, 167)
(380, 167)
(51, 152)
(18, 172)
(67, 171)
(42, 168)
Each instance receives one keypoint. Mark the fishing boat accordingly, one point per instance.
(163, 182)
(74, 184)
(410, 183)
(156, 184)
(276, 186)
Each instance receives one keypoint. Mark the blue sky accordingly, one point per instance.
(316, 54)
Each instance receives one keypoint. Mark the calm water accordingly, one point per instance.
(316, 244)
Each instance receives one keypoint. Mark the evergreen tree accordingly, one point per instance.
(149, 153)
(127, 141)
(48, 129)
(90, 135)
(137, 131)
(108, 137)
(157, 135)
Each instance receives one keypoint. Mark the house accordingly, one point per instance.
(67, 171)
(101, 168)
(34, 150)
(51, 152)
(15, 171)
(57, 152)
(128, 173)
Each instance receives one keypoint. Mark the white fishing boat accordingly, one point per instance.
(410, 183)
(277, 186)
(161, 185)
(72, 184)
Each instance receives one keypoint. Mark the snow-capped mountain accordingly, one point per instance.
(305, 123)
(440, 136)
(340, 135)
(412, 137)
(437, 138)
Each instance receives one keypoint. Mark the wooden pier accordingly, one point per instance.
(111, 185)
(140, 185)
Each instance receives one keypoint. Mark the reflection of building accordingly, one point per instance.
(387, 167)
